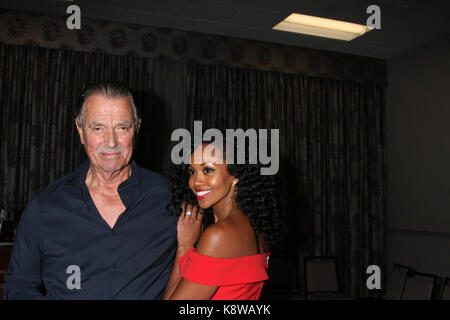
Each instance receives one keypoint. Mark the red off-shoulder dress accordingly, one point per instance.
(237, 278)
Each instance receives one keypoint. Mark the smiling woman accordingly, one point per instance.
(229, 221)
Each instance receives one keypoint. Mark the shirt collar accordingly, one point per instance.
(128, 190)
(79, 175)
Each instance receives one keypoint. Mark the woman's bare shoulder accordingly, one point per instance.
(221, 240)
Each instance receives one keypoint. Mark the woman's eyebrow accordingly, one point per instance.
(206, 163)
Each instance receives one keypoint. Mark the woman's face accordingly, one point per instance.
(210, 180)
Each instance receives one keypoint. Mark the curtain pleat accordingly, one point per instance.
(168, 110)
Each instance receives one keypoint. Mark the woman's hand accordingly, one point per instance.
(189, 225)
(188, 229)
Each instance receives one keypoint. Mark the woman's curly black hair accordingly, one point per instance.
(256, 195)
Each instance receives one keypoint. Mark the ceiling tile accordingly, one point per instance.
(258, 18)
(209, 10)
(127, 16)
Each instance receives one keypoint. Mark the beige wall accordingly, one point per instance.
(418, 158)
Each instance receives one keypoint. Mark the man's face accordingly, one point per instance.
(108, 132)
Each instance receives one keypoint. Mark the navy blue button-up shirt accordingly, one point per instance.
(64, 247)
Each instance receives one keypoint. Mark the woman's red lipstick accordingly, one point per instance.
(200, 194)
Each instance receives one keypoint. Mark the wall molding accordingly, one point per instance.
(421, 233)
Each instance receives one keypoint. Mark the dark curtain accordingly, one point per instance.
(332, 158)
(39, 97)
(168, 109)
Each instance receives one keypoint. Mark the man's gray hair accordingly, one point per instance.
(108, 89)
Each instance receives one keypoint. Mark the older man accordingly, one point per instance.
(103, 231)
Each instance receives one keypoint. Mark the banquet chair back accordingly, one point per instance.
(422, 286)
(445, 293)
(397, 281)
(320, 276)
